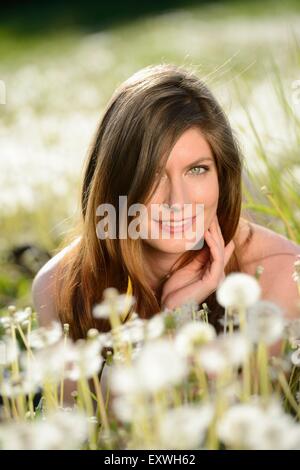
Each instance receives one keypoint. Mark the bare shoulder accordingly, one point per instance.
(43, 287)
(266, 247)
(276, 254)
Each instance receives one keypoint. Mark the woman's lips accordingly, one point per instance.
(175, 226)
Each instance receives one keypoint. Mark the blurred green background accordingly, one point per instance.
(60, 63)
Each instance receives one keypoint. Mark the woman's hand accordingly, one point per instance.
(202, 276)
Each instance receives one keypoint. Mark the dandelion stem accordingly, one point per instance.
(262, 366)
(26, 344)
(4, 397)
(101, 405)
(29, 356)
(87, 400)
(62, 381)
(202, 381)
(16, 373)
(285, 387)
(246, 380)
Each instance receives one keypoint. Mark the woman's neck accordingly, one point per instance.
(158, 265)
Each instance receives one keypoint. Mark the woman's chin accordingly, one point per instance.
(174, 246)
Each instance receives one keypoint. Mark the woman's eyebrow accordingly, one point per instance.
(199, 160)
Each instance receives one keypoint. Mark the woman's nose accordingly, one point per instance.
(177, 196)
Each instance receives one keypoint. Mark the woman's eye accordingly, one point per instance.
(198, 168)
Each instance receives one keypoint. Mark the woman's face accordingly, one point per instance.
(188, 191)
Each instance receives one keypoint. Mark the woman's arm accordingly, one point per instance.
(44, 305)
(43, 302)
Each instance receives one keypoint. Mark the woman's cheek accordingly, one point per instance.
(210, 198)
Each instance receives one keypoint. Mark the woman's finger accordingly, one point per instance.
(217, 263)
(214, 244)
(220, 231)
(214, 232)
(229, 249)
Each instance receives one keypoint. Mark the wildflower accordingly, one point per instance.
(127, 408)
(265, 322)
(278, 365)
(224, 351)
(23, 385)
(292, 332)
(212, 359)
(124, 408)
(9, 351)
(15, 317)
(73, 360)
(158, 365)
(192, 335)
(113, 301)
(155, 327)
(235, 348)
(132, 331)
(45, 336)
(278, 431)
(259, 426)
(125, 380)
(49, 362)
(295, 357)
(61, 430)
(181, 315)
(232, 318)
(238, 424)
(105, 339)
(232, 391)
(120, 357)
(85, 360)
(238, 289)
(184, 427)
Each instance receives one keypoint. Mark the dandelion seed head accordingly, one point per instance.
(265, 322)
(193, 335)
(185, 427)
(295, 357)
(238, 289)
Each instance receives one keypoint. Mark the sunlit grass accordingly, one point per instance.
(172, 382)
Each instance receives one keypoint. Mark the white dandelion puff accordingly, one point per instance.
(185, 427)
(295, 357)
(192, 335)
(155, 327)
(265, 322)
(113, 302)
(238, 289)
(45, 336)
(157, 366)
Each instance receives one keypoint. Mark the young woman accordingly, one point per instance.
(163, 139)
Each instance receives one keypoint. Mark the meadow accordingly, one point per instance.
(56, 86)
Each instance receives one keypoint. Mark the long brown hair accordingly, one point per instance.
(142, 121)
